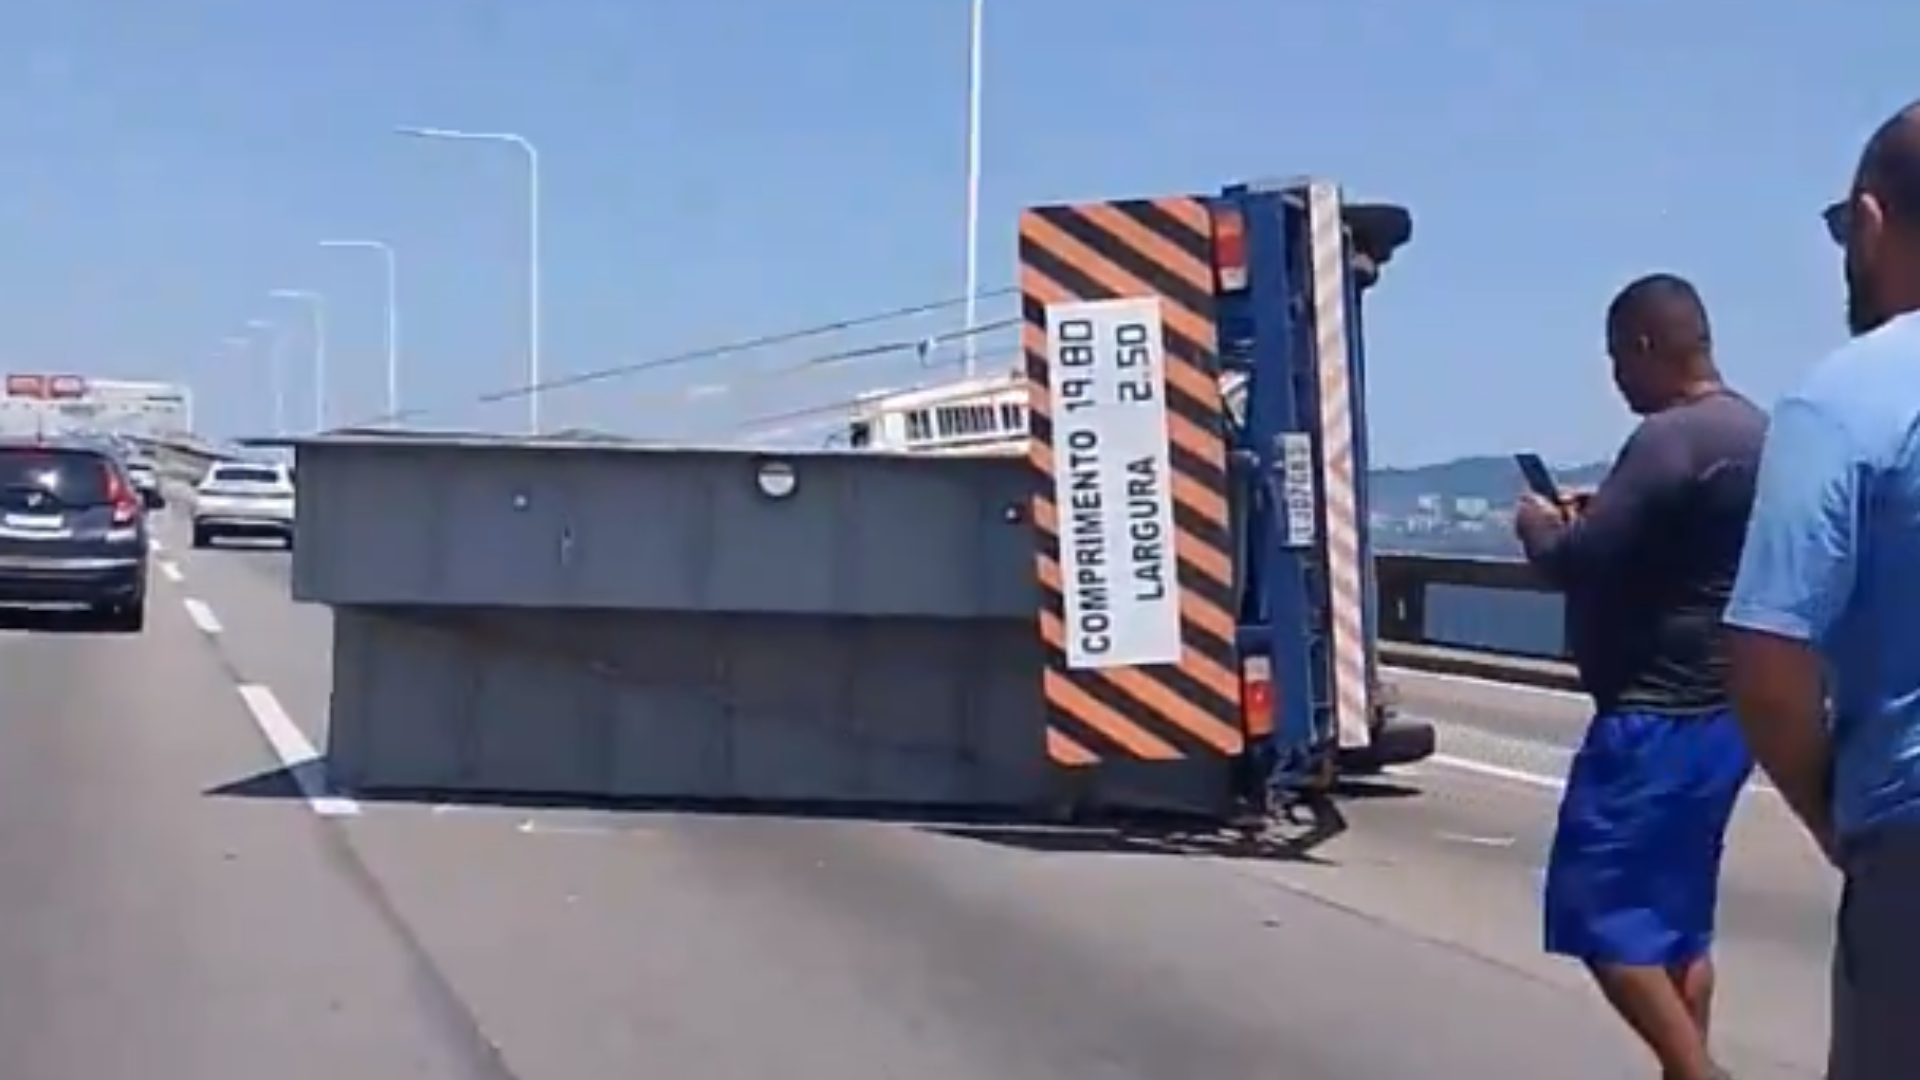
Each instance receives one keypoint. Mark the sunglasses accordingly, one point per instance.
(1839, 220)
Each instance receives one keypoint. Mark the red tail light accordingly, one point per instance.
(126, 504)
(1230, 248)
(1256, 697)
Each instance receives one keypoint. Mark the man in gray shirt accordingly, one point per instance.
(1646, 566)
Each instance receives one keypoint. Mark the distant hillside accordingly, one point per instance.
(1495, 479)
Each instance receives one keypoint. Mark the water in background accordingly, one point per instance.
(1527, 624)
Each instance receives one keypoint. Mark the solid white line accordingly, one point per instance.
(171, 571)
(1491, 684)
(1498, 772)
(1534, 779)
(1488, 769)
(297, 755)
(202, 615)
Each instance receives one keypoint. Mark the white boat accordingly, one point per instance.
(985, 415)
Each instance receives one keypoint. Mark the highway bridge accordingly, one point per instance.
(182, 896)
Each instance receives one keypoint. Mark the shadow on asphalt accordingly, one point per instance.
(1294, 837)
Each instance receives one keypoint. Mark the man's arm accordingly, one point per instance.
(1608, 531)
(1796, 577)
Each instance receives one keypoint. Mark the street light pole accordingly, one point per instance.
(393, 315)
(532, 153)
(241, 346)
(276, 378)
(976, 43)
(317, 308)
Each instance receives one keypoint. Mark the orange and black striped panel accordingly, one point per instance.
(1114, 250)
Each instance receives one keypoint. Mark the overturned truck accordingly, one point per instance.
(1166, 604)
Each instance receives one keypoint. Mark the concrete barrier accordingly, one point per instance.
(1515, 670)
(1411, 637)
(183, 458)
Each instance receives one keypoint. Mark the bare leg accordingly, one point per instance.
(1695, 981)
(1650, 1000)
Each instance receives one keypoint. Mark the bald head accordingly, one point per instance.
(1890, 168)
(1878, 224)
(1660, 342)
(1661, 315)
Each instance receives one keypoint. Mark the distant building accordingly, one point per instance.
(36, 403)
(1471, 508)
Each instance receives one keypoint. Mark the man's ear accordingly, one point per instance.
(1869, 224)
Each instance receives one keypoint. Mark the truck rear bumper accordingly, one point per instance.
(242, 525)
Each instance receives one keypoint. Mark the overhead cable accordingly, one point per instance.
(710, 352)
(842, 358)
(785, 421)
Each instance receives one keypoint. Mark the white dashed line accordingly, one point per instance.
(296, 753)
(154, 543)
(202, 615)
(530, 827)
(171, 571)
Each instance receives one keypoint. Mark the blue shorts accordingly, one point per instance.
(1635, 871)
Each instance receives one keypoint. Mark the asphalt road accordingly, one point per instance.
(169, 908)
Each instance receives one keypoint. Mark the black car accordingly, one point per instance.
(72, 531)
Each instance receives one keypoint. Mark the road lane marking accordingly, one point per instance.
(202, 615)
(1477, 840)
(1491, 684)
(1537, 780)
(530, 827)
(297, 754)
(1494, 770)
(1498, 772)
(171, 571)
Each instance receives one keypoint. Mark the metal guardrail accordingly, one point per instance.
(1414, 588)
(183, 457)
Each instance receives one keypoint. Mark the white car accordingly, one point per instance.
(146, 480)
(244, 499)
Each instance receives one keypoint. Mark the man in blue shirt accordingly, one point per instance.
(1646, 566)
(1825, 649)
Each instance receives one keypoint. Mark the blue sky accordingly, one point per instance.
(721, 169)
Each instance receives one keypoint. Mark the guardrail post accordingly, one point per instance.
(1403, 601)
(1408, 634)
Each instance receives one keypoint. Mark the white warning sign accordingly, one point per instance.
(1112, 483)
(1301, 494)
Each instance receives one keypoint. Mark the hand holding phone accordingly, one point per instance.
(1539, 478)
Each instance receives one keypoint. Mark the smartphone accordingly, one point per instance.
(1539, 478)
